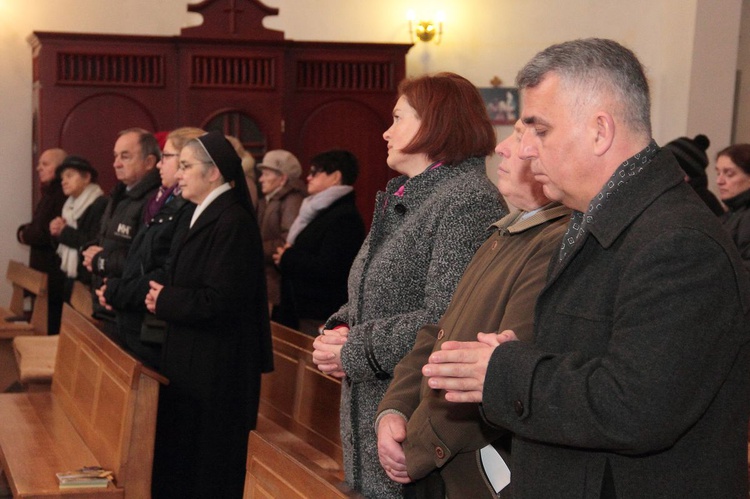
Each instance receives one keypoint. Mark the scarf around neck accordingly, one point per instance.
(72, 210)
(159, 199)
(312, 205)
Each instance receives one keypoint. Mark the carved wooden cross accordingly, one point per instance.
(233, 11)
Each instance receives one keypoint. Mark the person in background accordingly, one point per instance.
(426, 227)
(218, 337)
(321, 245)
(422, 438)
(136, 153)
(81, 217)
(167, 215)
(691, 155)
(43, 256)
(283, 192)
(636, 384)
(248, 166)
(733, 181)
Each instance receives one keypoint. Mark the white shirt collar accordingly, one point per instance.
(209, 199)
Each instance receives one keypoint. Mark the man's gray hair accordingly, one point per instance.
(592, 68)
(147, 141)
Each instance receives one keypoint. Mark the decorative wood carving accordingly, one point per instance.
(233, 19)
(239, 78)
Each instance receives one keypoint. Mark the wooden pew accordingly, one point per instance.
(101, 411)
(295, 451)
(24, 279)
(35, 355)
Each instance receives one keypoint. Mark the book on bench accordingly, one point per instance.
(87, 477)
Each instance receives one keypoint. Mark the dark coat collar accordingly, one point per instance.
(739, 201)
(660, 175)
(212, 212)
(151, 181)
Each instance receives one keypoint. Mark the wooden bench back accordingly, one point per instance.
(24, 278)
(110, 398)
(297, 396)
(80, 299)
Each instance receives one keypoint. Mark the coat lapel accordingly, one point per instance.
(208, 217)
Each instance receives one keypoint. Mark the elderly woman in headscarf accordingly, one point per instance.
(218, 338)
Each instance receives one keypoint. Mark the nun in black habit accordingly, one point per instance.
(218, 339)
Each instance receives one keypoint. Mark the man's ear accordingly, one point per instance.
(605, 132)
(151, 161)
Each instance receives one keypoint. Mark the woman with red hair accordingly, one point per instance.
(426, 227)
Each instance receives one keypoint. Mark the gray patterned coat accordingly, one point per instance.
(404, 277)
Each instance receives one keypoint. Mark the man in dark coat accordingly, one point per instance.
(36, 233)
(136, 153)
(637, 384)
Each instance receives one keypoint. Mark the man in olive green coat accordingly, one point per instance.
(418, 431)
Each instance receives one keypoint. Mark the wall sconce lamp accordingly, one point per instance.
(425, 30)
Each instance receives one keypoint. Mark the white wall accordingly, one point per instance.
(742, 132)
(687, 46)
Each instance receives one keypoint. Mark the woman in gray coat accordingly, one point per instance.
(427, 225)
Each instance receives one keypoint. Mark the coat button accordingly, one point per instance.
(400, 209)
(439, 452)
(441, 334)
(518, 407)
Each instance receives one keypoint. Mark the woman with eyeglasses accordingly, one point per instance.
(165, 219)
(218, 337)
(321, 245)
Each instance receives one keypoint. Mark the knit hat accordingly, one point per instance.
(283, 162)
(77, 163)
(691, 154)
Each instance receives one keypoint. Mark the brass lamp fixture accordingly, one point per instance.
(425, 30)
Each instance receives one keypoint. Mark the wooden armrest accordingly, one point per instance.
(35, 357)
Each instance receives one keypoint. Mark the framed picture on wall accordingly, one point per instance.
(501, 103)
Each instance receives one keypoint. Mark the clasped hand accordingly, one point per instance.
(327, 351)
(153, 295)
(56, 226)
(460, 367)
(88, 256)
(391, 435)
(276, 257)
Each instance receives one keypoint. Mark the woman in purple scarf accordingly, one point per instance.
(166, 219)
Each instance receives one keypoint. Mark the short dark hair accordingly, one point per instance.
(739, 154)
(455, 124)
(338, 160)
(149, 144)
(593, 65)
